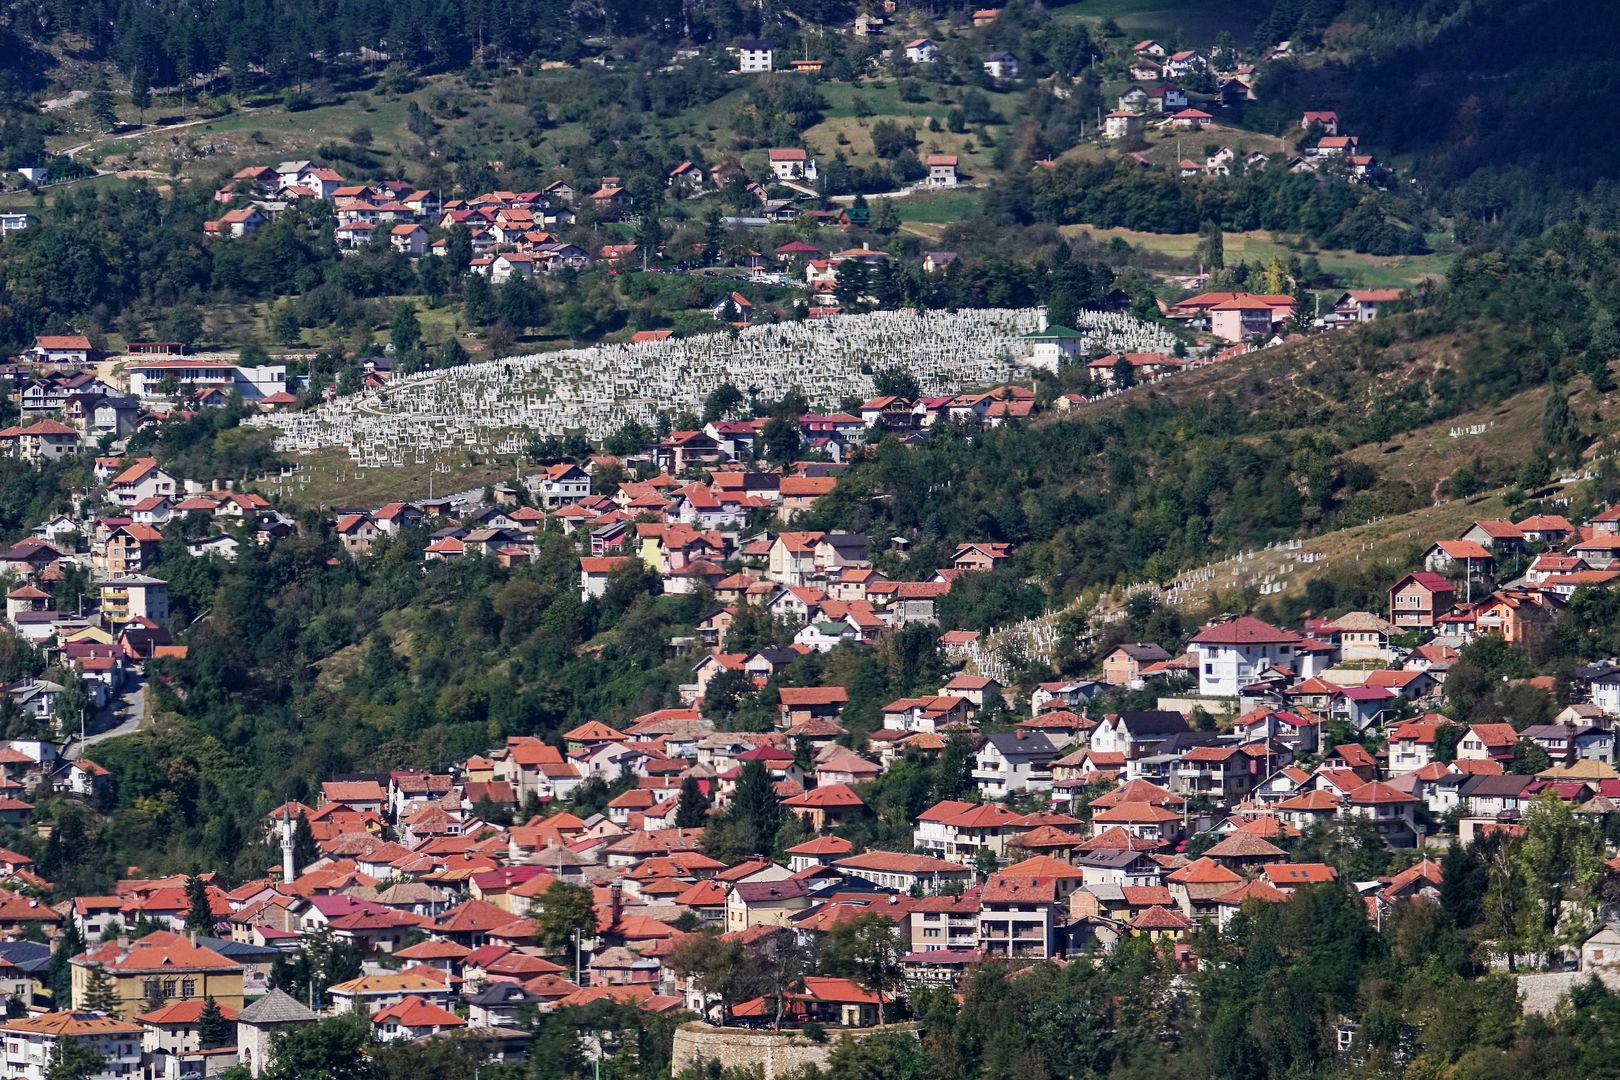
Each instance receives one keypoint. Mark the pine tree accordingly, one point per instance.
(1304, 307)
(101, 106)
(887, 219)
(101, 992)
(852, 281)
(140, 94)
(477, 300)
(714, 229)
(693, 809)
(212, 1030)
(405, 331)
(1560, 434)
(59, 974)
(199, 912)
(1124, 373)
(1214, 246)
(756, 809)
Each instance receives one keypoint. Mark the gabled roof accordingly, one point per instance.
(1203, 871)
(1244, 630)
(414, 1011)
(1296, 874)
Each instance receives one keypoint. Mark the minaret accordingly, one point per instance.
(288, 871)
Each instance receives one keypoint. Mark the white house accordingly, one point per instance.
(61, 349)
(791, 164)
(1053, 346)
(595, 572)
(922, 51)
(1121, 124)
(11, 222)
(414, 1018)
(409, 240)
(753, 54)
(126, 597)
(1232, 652)
(1603, 686)
(32, 1043)
(561, 484)
(1012, 761)
(142, 480)
(1001, 65)
(147, 379)
(941, 170)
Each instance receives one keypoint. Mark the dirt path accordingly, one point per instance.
(141, 133)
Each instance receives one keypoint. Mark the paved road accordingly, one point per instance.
(124, 713)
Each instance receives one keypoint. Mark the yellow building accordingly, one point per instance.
(180, 970)
(764, 903)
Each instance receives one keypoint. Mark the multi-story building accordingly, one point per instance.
(1231, 653)
(32, 1044)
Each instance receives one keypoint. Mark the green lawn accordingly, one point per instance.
(941, 209)
(881, 97)
(1352, 268)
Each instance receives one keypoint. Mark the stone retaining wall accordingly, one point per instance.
(776, 1052)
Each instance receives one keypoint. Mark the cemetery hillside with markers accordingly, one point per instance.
(644, 541)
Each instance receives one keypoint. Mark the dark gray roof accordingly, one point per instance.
(1140, 722)
(1506, 784)
(1022, 745)
(276, 1007)
(1182, 741)
(502, 993)
(1138, 650)
(241, 951)
(29, 956)
(1111, 858)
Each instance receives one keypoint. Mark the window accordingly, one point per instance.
(168, 988)
(188, 988)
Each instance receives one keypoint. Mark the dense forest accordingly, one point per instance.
(1121, 193)
(1499, 106)
(134, 262)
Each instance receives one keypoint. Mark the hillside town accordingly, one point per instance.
(1072, 829)
(554, 540)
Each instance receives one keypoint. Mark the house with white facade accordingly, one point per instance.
(754, 55)
(1232, 652)
(1012, 761)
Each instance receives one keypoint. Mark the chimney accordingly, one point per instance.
(616, 902)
